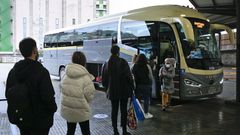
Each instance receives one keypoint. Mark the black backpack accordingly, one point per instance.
(19, 104)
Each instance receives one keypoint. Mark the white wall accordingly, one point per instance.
(55, 12)
(35, 27)
(22, 10)
(38, 20)
(87, 10)
(71, 12)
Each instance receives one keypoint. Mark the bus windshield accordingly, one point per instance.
(203, 52)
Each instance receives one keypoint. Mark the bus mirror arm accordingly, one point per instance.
(226, 28)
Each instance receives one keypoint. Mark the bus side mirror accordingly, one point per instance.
(226, 28)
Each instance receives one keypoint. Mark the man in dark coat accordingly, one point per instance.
(37, 80)
(118, 81)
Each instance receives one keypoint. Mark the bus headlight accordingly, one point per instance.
(221, 82)
(192, 83)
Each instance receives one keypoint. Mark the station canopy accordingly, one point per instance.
(218, 11)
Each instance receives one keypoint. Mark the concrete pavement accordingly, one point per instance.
(198, 117)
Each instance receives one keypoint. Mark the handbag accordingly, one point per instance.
(138, 108)
(131, 118)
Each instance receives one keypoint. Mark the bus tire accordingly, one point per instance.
(61, 73)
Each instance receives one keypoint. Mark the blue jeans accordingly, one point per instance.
(144, 91)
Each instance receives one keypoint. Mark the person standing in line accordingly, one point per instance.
(143, 78)
(77, 94)
(134, 60)
(167, 73)
(117, 79)
(37, 79)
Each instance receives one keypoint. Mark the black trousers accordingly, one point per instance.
(71, 127)
(123, 109)
(29, 131)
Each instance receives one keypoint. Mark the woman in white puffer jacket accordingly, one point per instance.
(77, 93)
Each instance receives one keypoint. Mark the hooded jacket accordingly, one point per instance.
(119, 83)
(141, 74)
(167, 75)
(77, 93)
(38, 80)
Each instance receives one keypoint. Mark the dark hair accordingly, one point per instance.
(115, 50)
(113, 60)
(79, 58)
(141, 59)
(26, 46)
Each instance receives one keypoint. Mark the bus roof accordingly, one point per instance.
(155, 13)
(152, 13)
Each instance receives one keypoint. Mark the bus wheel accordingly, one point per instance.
(61, 73)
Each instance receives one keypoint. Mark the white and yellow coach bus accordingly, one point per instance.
(156, 31)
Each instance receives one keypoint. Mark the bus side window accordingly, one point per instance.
(47, 43)
(77, 39)
(65, 38)
(108, 30)
(92, 33)
(51, 41)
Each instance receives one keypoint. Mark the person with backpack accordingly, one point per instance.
(30, 93)
(77, 94)
(117, 79)
(167, 73)
(143, 78)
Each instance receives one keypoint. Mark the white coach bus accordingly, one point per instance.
(156, 31)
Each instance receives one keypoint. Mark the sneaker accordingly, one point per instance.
(163, 109)
(148, 115)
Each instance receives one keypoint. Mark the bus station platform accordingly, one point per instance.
(195, 117)
(198, 117)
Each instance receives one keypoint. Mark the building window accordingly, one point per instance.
(97, 6)
(56, 23)
(104, 6)
(100, 13)
(73, 21)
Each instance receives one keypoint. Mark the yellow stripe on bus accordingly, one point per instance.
(205, 72)
(128, 52)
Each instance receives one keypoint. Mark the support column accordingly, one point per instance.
(79, 12)
(64, 13)
(14, 27)
(238, 51)
(47, 15)
(30, 17)
(220, 39)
